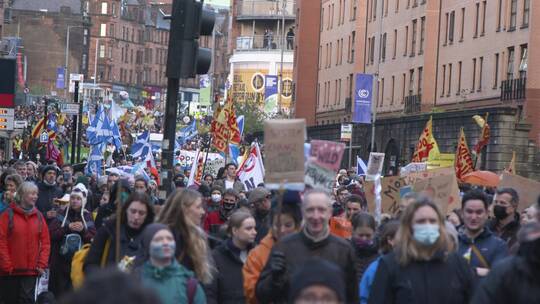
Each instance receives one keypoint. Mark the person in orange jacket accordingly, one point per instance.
(284, 222)
(24, 246)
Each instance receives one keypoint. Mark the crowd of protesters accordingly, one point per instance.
(219, 242)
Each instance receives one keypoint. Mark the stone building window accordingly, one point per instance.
(103, 30)
(104, 8)
(526, 12)
(513, 15)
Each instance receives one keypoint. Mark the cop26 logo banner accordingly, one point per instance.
(362, 98)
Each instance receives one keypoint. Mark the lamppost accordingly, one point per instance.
(67, 57)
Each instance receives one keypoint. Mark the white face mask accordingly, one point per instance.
(216, 198)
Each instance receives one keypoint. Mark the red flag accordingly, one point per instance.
(463, 162)
(54, 154)
(486, 133)
(426, 148)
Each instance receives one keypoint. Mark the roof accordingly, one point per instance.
(52, 6)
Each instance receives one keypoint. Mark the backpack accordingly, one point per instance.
(191, 289)
(10, 212)
(77, 263)
(71, 243)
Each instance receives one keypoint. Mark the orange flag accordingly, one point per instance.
(463, 162)
(225, 128)
(427, 147)
(486, 132)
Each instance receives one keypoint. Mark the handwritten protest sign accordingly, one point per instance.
(390, 194)
(527, 189)
(319, 177)
(186, 158)
(442, 189)
(284, 151)
(375, 164)
(327, 154)
(412, 178)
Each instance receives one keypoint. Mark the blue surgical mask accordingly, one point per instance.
(157, 250)
(426, 234)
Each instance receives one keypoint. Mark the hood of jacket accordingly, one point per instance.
(19, 210)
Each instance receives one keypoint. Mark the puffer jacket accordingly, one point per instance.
(254, 265)
(26, 246)
(170, 283)
(46, 195)
(492, 248)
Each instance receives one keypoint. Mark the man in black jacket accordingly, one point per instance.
(48, 191)
(293, 251)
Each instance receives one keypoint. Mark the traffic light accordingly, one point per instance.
(189, 20)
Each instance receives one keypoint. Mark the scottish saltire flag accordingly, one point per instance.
(98, 130)
(187, 133)
(361, 167)
(52, 124)
(94, 160)
(142, 147)
(116, 138)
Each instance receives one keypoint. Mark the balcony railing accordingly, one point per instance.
(265, 8)
(413, 104)
(513, 89)
(263, 43)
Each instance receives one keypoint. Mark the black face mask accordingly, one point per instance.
(345, 181)
(500, 212)
(531, 251)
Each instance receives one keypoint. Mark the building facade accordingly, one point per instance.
(434, 58)
(261, 44)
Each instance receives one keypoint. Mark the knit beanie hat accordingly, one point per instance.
(80, 191)
(47, 169)
(148, 234)
(317, 271)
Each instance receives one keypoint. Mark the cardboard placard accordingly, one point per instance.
(319, 177)
(442, 189)
(390, 194)
(284, 151)
(527, 189)
(412, 178)
(375, 164)
(327, 154)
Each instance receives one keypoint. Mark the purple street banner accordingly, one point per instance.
(362, 99)
(60, 77)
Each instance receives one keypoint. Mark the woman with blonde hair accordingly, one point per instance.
(423, 267)
(183, 213)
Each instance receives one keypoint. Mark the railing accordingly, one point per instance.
(265, 8)
(513, 89)
(263, 42)
(413, 104)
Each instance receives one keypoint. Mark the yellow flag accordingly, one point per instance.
(426, 148)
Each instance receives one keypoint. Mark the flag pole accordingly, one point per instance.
(207, 152)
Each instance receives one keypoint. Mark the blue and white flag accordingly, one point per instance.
(98, 132)
(361, 167)
(187, 133)
(362, 98)
(95, 160)
(116, 138)
(142, 147)
(234, 150)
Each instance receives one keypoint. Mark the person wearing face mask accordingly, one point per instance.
(48, 191)
(136, 214)
(160, 272)
(363, 241)
(285, 221)
(217, 218)
(422, 268)
(516, 279)
(229, 258)
(216, 196)
(24, 246)
(506, 222)
(72, 228)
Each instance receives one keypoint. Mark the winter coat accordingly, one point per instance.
(213, 221)
(238, 186)
(26, 246)
(440, 280)
(507, 233)
(227, 284)
(130, 244)
(170, 283)
(262, 225)
(367, 281)
(254, 265)
(364, 257)
(492, 248)
(46, 195)
(513, 280)
(297, 248)
(60, 265)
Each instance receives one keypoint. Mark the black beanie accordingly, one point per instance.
(148, 234)
(317, 271)
(47, 169)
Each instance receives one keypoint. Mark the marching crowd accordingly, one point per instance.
(110, 239)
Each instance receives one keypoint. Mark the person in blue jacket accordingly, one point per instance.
(386, 243)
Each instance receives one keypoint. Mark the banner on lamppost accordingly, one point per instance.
(270, 87)
(60, 77)
(362, 98)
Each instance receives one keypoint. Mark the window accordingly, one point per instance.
(332, 17)
(335, 92)
(406, 40)
(499, 14)
(451, 27)
(102, 51)
(460, 69)
(339, 13)
(375, 9)
(422, 34)
(386, 8)
(476, 16)
(395, 44)
(330, 55)
(384, 47)
(446, 30)
(352, 45)
(484, 4)
(113, 8)
(523, 62)
(462, 29)
(350, 86)
(526, 11)
(322, 20)
(104, 8)
(420, 79)
(371, 59)
(513, 15)
(411, 82)
(382, 92)
(397, 6)
(103, 30)
(353, 10)
(369, 10)
(480, 72)
(404, 76)
(473, 75)
(449, 79)
(111, 30)
(496, 74)
(413, 38)
(393, 87)
(510, 66)
(443, 80)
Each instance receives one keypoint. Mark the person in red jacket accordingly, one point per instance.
(215, 219)
(24, 246)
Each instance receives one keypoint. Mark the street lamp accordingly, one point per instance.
(67, 55)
